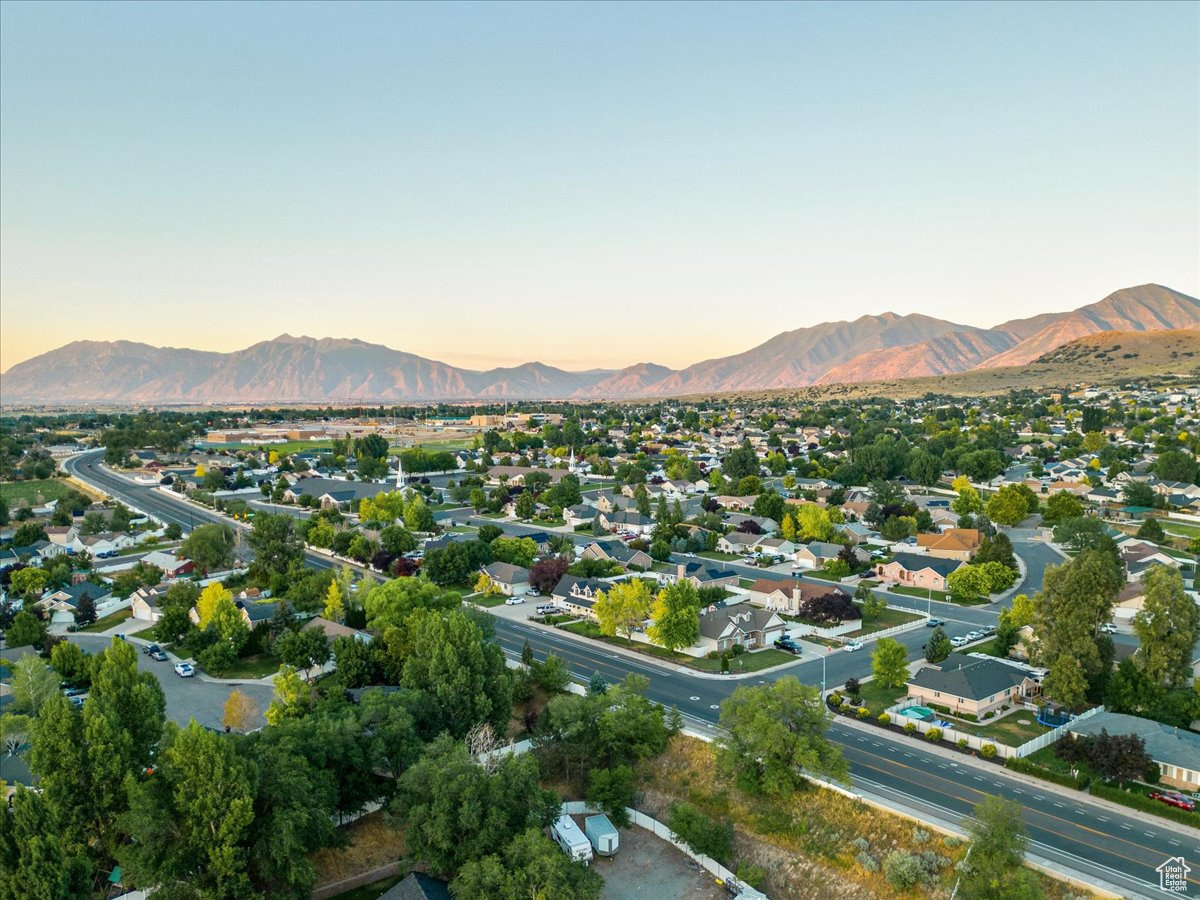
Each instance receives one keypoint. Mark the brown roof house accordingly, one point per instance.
(953, 543)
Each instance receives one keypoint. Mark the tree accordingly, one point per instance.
(968, 501)
(26, 630)
(464, 678)
(210, 597)
(1009, 505)
(1151, 530)
(210, 547)
(356, 663)
(813, 523)
(546, 573)
(71, 663)
(774, 733)
(526, 506)
(190, 823)
(873, 603)
(968, 584)
(239, 711)
(994, 868)
(938, 647)
(28, 534)
(1176, 465)
(456, 562)
(517, 551)
(623, 607)
(293, 697)
(335, 604)
(33, 683)
(676, 615)
(33, 864)
(456, 811)
(889, 663)
(997, 548)
(1083, 533)
(1138, 493)
(1060, 506)
(85, 610)
(389, 605)
(702, 833)
(276, 546)
(28, 583)
(302, 649)
(387, 507)
(1168, 627)
(418, 516)
(552, 675)
(531, 865)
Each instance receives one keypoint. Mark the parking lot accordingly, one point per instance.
(187, 698)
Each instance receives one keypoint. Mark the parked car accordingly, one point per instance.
(989, 631)
(852, 646)
(958, 641)
(974, 635)
(150, 649)
(545, 609)
(1173, 799)
(184, 670)
(74, 692)
(514, 601)
(1108, 628)
(158, 655)
(934, 623)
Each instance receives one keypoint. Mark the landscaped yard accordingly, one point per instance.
(923, 593)
(49, 488)
(877, 698)
(747, 662)
(718, 555)
(889, 618)
(108, 621)
(258, 665)
(1014, 729)
(489, 600)
(821, 574)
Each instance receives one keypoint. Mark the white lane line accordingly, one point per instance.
(1127, 827)
(1059, 805)
(1038, 797)
(1102, 818)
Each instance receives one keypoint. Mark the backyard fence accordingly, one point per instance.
(1045, 740)
(952, 735)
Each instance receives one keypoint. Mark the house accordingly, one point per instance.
(334, 492)
(815, 554)
(334, 630)
(515, 475)
(509, 580)
(974, 685)
(146, 603)
(626, 520)
(702, 575)
(66, 536)
(918, 570)
(61, 603)
(773, 546)
(618, 552)
(787, 595)
(1175, 751)
(738, 542)
(418, 886)
(1140, 558)
(580, 514)
(105, 542)
(255, 613)
(721, 627)
(171, 565)
(953, 543)
(578, 595)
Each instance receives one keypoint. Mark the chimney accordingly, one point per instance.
(680, 569)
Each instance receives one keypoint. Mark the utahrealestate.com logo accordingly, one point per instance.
(1172, 875)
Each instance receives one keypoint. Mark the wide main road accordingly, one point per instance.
(1069, 831)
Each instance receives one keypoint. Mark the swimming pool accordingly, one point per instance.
(917, 712)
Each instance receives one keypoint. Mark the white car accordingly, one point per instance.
(958, 641)
(852, 646)
(1108, 628)
(974, 635)
(184, 670)
(514, 601)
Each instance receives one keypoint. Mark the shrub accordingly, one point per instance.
(752, 875)
(867, 861)
(702, 833)
(920, 836)
(884, 719)
(738, 650)
(961, 743)
(861, 844)
(713, 654)
(988, 751)
(988, 715)
(910, 728)
(933, 735)
(952, 842)
(903, 870)
(863, 712)
(836, 699)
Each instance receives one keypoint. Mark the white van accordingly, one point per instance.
(573, 841)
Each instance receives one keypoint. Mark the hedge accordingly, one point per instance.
(1072, 781)
(1139, 800)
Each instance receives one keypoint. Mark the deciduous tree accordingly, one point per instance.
(889, 662)
(623, 607)
(1167, 627)
(676, 615)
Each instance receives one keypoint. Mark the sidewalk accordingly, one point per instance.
(1048, 787)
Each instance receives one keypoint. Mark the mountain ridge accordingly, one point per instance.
(302, 369)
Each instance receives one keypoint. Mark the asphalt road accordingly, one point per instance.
(1103, 845)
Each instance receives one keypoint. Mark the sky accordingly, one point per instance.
(588, 185)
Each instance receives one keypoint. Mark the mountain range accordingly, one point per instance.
(332, 370)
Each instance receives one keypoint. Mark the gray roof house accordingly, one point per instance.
(723, 626)
(510, 580)
(972, 685)
(1175, 750)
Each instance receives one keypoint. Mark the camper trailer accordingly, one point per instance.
(573, 841)
(602, 834)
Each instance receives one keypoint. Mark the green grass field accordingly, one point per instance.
(49, 488)
(108, 621)
(876, 697)
(746, 662)
(889, 618)
(257, 666)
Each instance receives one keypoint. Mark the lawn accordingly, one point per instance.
(718, 555)
(889, 618)
(878, 698)
(1178, 528)
(108, 621)
(822, 575)
(490, 601)
(747, 662)
(259, 665)
(1008, 730)
(49, 488)
(918, 592)
(369, 891)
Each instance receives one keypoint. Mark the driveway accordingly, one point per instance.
(187, 698)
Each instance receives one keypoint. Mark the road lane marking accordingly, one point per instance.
(1127, 827)
(1102, 818)
(1059, 805)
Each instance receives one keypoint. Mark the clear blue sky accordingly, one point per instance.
(473, 182)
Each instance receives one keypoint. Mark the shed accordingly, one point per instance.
(603, 835)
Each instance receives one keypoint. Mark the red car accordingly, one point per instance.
(1173, 799)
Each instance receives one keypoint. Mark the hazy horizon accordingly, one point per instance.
(588, 185)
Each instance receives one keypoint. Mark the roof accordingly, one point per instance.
(822, 549)
(579, 591)
(952, 539)
(707, 572)
(337, 488)
(808, 589)
(507, 573)
(915, 562)
(418, 886)
(76, 591)
(1164, 743)
(258, 612)
(968, 677)
(715, 621)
